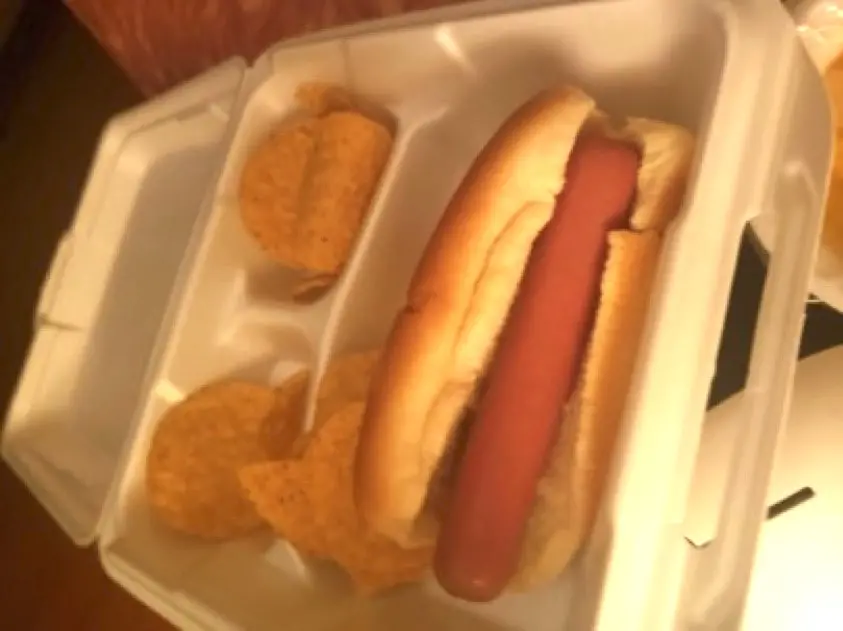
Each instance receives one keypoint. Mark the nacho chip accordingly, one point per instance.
(196, 451)
(271, 187)
(320, 98)
(306, 189)
(285, 422)
(343, 173)
(346, 379)
(333, 529)
(277, 491)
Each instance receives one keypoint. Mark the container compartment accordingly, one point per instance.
(271, 103)
(224, 330)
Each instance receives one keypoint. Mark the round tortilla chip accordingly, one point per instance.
(307, 187)
(196, 451)
(271, 185)
(340, 183)
(320, 98)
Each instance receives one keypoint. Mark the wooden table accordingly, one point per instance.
(48, 584)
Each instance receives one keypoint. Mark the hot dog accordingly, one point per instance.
(492, 415)
(534, 373)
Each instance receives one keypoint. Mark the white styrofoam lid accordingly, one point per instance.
(798, 572)
(106, 295)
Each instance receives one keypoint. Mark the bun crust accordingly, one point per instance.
(458, 300)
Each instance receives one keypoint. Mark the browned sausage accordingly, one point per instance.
(533, 374)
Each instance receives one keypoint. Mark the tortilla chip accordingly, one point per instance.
(320, 98)
(346, 379)
(196, 452)
(284, 424)
(343, 174)
(307, 188)
(271, 186)
(335, 530)
(276, 489)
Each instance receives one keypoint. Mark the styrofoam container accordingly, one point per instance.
(157, 289)
(820, 25)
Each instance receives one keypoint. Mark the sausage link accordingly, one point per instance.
(533, 374)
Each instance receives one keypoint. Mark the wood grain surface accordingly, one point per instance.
(159, 43)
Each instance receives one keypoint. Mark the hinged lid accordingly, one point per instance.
(106, 294)
(793, 199)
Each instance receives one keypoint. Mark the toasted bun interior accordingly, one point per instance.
(443, 339)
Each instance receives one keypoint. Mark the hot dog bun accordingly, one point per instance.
(456, 304)
(458, 301)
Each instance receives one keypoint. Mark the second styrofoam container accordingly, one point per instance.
(820, 26)
(450, 78)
